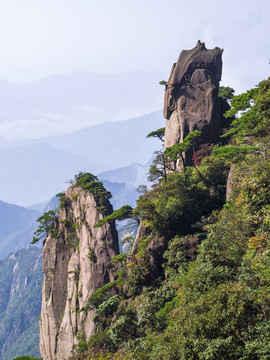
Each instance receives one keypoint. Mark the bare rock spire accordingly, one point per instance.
(191, 97)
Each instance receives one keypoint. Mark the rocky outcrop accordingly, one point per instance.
(76, 262)
(191, 97)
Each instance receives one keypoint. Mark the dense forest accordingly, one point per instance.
(196, 284)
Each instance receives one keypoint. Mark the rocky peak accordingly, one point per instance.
(191, 97)
(76, 262)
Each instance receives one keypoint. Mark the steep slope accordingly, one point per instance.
(20, 282)
(76, 262)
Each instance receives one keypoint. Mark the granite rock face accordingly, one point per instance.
(191, 97)
(75, 264)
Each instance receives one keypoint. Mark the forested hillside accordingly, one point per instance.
(196, 284)
(20, 299)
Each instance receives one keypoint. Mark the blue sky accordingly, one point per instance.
(39, 38)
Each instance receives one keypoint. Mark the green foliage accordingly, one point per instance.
(72, 240)
(253, 115)
(125, 212)
(47, 226)
(99, 295)
(214, 326)
(178, 204)
(242, 103)
(122, 329)
(106, 310)
(159, 133)
(83, 179)
(163, 82)
(128, 240)
(82, 345)
(122, 258)
(101, 341)
(181, 251)
(92, 256)
(64, 202)
(176, 151)
(157, 170)
(234, 153)
(226, 92)
(90, 183)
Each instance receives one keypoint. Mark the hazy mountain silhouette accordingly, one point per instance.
(17, 226)
(63, 104)
(36, 171)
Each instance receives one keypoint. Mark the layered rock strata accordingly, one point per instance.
(191, 97)
(75, 264)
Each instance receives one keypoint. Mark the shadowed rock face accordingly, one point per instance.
(75, 264)
(191, 97)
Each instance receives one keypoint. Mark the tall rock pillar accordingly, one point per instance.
(191, 97)
(76, 262)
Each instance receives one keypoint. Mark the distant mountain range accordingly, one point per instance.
(34, 173)
(133, 174)
(113, 144)
(36, 170)
(64, 104)
(17, 226)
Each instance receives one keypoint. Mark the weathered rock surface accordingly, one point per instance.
(191, 97)
(75, 264)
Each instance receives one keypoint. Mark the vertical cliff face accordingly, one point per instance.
(75, 264)
(191, 97)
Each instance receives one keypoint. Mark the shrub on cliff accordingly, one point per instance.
(90, 183)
